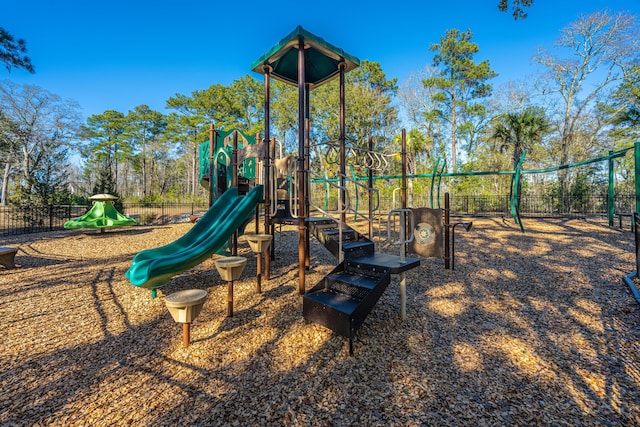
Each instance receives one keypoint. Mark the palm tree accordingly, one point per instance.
(419, 147)
(520, 130)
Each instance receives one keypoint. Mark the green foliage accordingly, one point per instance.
(149, 156)
(369, 108)
(104, 142)
(13, 52)
(519, 131)
(458, 82)
(284, 115)
(248, 104)
(143, 131)
(578, 196)
(107, 185)
(239, 105)
(517, 7)
(623, 109)
(185, 125)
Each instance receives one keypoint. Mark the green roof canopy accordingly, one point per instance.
(321, 59)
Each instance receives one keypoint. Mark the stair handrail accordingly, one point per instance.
(370, 191)
(273, 189)
(345, 205)
(293, 196)
(402, 241)
(393, 196)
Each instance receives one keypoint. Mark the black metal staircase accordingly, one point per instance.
(342, 300)
(327, 231)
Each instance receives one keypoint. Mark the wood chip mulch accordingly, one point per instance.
(534, 328)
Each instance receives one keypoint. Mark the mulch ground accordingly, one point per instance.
(534, 328)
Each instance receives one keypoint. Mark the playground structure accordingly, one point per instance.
(102, 214)
(344, 298)
(7, 257)
(241, 173)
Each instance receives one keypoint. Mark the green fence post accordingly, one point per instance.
(636, 152)
(610, 196)
(433, 180)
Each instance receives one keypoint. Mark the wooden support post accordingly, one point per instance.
(186, 334)
(403, 296)
(259, 273)
(230, 298)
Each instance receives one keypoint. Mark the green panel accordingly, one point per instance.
(321, 59)
(248, 168)
(218, 147)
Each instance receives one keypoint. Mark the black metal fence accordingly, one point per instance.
(32, 219)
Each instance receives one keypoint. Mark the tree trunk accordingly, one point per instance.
(411, 170)
(5, 184)
(453, 131)
(194, 169)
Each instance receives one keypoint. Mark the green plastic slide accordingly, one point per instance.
(101, 215)
(154, 268)
(220, 209)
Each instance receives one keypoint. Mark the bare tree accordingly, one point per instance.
(602, 47)
(42, 127)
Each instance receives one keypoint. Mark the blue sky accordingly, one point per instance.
(123, 53)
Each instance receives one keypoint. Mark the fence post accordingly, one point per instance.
(636, 153)
(610, 195)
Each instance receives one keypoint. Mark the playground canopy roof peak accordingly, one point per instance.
(321, 59)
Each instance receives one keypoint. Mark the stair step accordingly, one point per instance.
(352, 279)
(354, 285)
(319, 222)
(381, 262)
(331, 299)
(357, 248)
(334, 233)
(342, 300)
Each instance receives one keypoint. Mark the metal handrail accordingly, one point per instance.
(370, 190)
(273, 189)
(393, 197)
(402, 241)
(293, 196)
(341, 209)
